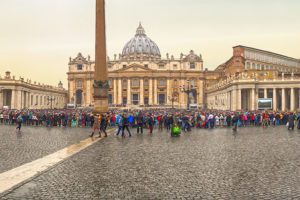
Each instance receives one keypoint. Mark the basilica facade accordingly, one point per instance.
(139, 76)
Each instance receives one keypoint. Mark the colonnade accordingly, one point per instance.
(282, 98)
(20, 99)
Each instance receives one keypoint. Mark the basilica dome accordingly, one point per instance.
(140, 46)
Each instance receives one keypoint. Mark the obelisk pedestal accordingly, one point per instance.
(101, 77)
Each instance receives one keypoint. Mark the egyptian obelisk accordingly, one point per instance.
(100, 76)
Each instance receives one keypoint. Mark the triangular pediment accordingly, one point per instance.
(134, 68)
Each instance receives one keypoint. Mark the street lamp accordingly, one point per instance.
(187, 89)
(50, 99)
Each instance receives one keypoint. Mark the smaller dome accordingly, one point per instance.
(140, 44)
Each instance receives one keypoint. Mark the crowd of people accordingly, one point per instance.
(128, 120)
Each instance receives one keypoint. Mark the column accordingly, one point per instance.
(234, 100)
(239, 99)
(182, 95)
(12, 101)
(141, 91)
(169, 92)
(229, 100)
(283, 99)
(155, 91)
(292, 99)
(115, 88)
(274, 99)
(1, 98)
(120, 91)
(128, 92)
(253, 99)
(299, 98)
(265, 93)
(150, 92)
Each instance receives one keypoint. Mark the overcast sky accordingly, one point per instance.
(37, 37)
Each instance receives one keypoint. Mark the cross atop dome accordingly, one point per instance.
(140, 30)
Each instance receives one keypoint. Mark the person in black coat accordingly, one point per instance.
(291, 121)
(103, 125)
(150, 123)
(235, 120)
(125, 125)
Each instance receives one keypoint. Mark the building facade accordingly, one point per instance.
(140, 77)
(21, 94)
(252, 74)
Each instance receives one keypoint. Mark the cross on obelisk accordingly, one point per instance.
(100, 76)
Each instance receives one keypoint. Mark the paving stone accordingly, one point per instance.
(255, 163)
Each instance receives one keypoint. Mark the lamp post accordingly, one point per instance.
(50, 99)
(187, 89)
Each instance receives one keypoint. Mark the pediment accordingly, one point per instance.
(134, 68)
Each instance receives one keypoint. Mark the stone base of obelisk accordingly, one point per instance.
(100, 105)
(100, 100)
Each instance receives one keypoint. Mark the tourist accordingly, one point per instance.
(96, 126)
(150, 122)
(103, 125)
(19, 121)
(125, 125)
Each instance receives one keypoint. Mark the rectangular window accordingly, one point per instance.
(161, 66)
(124, 66)
(79, 67)
(135, 82)
(79, 83)
(146, 65)
(162, 82)
(192, 65)
(174, 66)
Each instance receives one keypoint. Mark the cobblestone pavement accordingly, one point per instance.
(255, 163)
(34, 142)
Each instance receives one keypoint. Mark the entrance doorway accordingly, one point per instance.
(78, 97)
(161, 99)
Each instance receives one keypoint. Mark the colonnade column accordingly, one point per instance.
(150, 92)
(299, 98)
(115, 88)
(229, 100)
(129, 92)
(120, 91)
(253, 99)
(155, 91)
(141, 91)
(265, 93)
(292, 108)
(283, 99)
(274, 99)
(239, 99)
(12, 101)
(1, 99)
(234, 100)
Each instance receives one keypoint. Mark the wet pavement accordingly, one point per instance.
(32, 143)
(255, 163)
